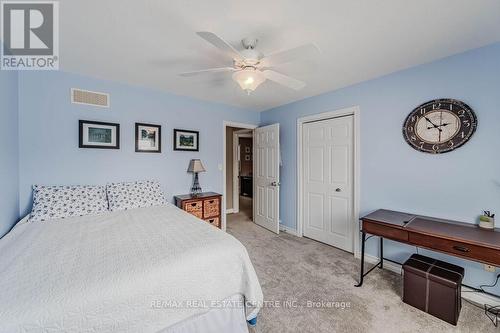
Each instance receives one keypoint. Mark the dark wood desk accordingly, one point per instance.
(459, 239)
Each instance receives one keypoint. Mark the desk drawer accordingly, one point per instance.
(385, 231)
(474, 252)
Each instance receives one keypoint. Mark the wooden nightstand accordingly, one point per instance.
(206, 206)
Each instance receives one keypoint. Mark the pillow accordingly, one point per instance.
(56, 202)
(138, 194)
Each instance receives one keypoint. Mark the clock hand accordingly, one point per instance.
(442, 125)
(430, 122)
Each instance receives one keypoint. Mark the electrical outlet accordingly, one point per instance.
(489, 268)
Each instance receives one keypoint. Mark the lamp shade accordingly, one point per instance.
(249, 79)
(196, 166)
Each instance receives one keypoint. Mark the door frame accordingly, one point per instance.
(226, 124)
(236, 172)
(350, 111)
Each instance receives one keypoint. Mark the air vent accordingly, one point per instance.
(79, 96)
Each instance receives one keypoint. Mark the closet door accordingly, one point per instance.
(328, 165)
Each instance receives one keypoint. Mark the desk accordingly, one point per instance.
(459, 239)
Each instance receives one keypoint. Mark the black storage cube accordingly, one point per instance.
(433, 286)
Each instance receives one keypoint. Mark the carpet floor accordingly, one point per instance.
(309, 287)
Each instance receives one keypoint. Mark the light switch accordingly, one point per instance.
(220, 167)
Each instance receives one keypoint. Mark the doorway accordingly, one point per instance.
(238, 172)
(241, 163)
(328, 193)
(255, 184)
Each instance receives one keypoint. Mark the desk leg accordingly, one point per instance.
(381, 252)
(361, 274)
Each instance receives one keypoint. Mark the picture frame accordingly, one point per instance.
(186, 140)
(247, 158)
(98, 135)
(247, 150)
(147, 138)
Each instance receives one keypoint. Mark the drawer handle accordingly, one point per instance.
(461, 248)
(211, 201)
(193, 204)
(211, 221)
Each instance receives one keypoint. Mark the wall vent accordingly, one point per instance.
(79, 96)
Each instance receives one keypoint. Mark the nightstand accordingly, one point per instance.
(206, 206)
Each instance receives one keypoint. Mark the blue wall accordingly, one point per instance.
(9, 159)
(48, 144)
(456, 185)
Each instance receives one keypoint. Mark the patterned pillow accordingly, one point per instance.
(56, 202)
(134, 195)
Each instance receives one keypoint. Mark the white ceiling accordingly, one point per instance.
(149, 42)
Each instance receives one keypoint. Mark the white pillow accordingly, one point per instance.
(56, 202)
(138, 194)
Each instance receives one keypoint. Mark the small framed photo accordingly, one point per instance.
(247, 149)
(247, 158)
(147, 138)
(96, 134)
(185, 140)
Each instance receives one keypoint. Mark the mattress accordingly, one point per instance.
(140, 270)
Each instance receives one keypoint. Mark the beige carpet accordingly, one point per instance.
(299, 270)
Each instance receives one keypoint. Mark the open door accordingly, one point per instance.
(266, 176)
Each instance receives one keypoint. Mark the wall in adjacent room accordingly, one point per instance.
(48, 144)
(456, 185)
(229, 167)
(9, 166)
(246, 165)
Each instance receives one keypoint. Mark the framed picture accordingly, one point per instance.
(186, 140)
(247, 158)
(147, 138)
(247, 149)
(96, 134)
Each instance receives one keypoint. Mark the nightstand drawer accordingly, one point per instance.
(211, 208)
(214, 221)
(195, 208)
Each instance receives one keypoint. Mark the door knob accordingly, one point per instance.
(338, 190)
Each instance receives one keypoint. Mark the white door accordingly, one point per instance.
(266, 177)
(328, 181)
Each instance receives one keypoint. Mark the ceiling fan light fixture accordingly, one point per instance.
(249, 79)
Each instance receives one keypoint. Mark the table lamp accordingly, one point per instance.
(195, 166)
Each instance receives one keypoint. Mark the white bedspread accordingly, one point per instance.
(128, 271)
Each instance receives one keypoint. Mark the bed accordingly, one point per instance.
(155, 269)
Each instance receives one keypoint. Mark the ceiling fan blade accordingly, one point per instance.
(221, 44)
(284, 80)
(207, 71)
(303, 51)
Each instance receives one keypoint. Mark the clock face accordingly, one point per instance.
(439, 126)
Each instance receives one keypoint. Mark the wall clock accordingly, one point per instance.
(439, 126)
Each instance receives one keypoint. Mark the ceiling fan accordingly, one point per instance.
(250, 67)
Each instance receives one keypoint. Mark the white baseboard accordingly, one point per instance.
(477, 298)
(288, 230)
(230, 211)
